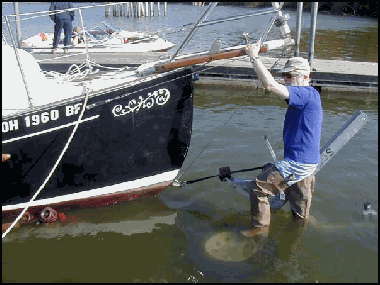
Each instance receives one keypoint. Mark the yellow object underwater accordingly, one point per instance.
(228, 246)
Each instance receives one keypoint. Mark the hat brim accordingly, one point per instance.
(287, 69)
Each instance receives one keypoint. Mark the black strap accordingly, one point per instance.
(208, 177)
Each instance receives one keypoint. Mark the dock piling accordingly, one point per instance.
(142, 9)
(108, 11)
(298, 29)
(313, 27)
(136, 9)
(115, 11)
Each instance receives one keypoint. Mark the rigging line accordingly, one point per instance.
(54, 167)
(237, 109)
(217, 21)
(194, 29)
(233, 113)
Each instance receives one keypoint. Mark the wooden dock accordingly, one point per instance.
(326, 74)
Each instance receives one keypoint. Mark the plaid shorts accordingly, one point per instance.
(270, 182)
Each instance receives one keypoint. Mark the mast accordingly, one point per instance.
(18, 24)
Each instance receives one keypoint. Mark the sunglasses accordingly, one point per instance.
(288, 75)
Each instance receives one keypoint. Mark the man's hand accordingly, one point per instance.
(253, 49)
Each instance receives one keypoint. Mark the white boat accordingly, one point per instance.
(105, 38)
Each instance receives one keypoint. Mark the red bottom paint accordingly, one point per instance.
(98, 201)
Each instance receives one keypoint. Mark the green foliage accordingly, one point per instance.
(368, 9)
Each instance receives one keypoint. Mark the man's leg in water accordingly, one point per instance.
(268, 182)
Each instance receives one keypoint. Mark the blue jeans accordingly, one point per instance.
(67, 27)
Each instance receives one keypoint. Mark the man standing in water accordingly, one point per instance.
(301, 134)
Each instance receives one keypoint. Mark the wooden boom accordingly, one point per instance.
(225, 54)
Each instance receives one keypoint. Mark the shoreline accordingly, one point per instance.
(306, 8)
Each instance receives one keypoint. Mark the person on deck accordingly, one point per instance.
(301, 135)
(62, 20)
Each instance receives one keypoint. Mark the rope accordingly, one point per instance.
(285, 50)
(208, 177)
(52, 170)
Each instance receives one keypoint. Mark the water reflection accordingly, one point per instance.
(348, 45)
(140, 216)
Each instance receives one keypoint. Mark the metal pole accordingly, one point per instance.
(84, 35)
(18, 26)
(158, 8)
(298, 28)
(108, 11)
(142, 9)
(151, 9)
(146, 9)
(313, 27)
(165, 8)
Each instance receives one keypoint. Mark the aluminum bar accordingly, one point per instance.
(349, 129)
(330, 149)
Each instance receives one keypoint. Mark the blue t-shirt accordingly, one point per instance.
(303, 125)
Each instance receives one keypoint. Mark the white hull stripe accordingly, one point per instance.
(50, 130)
(121, 187)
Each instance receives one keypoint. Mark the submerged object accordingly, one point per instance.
(229, 246)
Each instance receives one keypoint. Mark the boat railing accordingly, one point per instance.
(202, 57)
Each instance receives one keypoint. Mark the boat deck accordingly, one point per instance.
(331, 74)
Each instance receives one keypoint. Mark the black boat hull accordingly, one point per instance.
(131, 143)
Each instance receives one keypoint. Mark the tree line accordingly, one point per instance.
(368, 9)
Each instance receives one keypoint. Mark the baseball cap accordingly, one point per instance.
(297, 64)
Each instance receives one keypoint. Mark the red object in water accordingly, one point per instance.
(62, 217)
(49, 215)
(27, 218)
